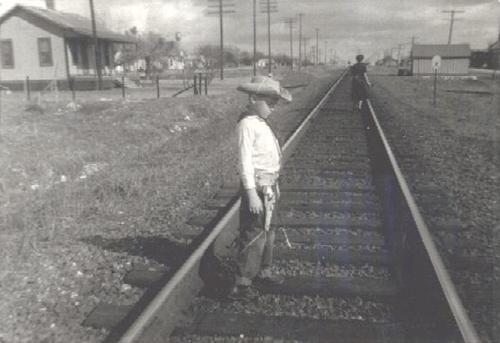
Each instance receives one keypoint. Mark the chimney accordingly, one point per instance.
(50, 4)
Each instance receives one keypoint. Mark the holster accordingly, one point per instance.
(268, 184)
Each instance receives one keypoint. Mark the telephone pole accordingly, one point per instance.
(218, 7)
(305, 43)
(326, 54)
(452, 20)
(317, 47)
(290, 22)
(96, 47)
(399, 53)
(269, 6)
(254, 38)
(301, 15)
(413, 38)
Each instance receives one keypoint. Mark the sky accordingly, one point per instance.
(347, 27)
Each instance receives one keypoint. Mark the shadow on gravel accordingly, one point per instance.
(156, 248)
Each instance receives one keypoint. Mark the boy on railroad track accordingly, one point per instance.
(360, 83)
(259, 156)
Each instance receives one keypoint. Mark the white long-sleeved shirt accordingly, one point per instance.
(259, 150)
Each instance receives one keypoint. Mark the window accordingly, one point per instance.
(7, 53)
(45, 52)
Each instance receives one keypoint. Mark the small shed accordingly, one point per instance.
(494, 50)
(455, 58)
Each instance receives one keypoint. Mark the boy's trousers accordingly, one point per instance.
(255, 243)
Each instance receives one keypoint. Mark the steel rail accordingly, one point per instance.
(134, 332)
(463, 321)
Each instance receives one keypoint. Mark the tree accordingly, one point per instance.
(246, 58)
(282, 59)
(152, 47)
(210, 55)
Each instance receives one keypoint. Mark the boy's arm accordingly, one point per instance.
(246, 137)
(366, 79)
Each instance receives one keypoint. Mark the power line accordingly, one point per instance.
(452, 20)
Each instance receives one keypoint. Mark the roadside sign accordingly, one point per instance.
(436, 62)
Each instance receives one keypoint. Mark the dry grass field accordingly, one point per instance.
(456, 145)
(86, 193)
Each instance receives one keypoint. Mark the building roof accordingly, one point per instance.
(443, 50)
(68, 23)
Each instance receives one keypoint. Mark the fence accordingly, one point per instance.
(160, 85)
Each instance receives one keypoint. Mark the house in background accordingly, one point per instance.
(455, 58)
(494, 50)
(480, 59)
(387, 61)
(50, 46)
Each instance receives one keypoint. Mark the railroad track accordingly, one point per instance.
(362, 266)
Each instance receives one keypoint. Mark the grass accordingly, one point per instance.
(126, 145)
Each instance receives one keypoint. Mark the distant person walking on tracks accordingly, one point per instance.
(360, 83)
(259, 167)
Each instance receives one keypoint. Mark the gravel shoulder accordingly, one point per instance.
(89, 193)
(454, 150)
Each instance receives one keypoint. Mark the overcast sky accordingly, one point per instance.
(348, 26)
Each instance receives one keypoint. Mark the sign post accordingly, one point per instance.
(436, 64)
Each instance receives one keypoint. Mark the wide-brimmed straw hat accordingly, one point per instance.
(263, 86)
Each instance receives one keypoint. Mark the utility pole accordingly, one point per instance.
(399, 53)
(326, 55)
(301, 15)
(290, 22)
(254, 37)
(317, 47)
(305, 42)
(96, 47)
(217, 7)
(270, 6)
(452, 20)
(413, 38)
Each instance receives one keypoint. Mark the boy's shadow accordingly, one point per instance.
(156, 248)
(216, 272)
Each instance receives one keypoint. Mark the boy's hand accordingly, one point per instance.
(254, 202)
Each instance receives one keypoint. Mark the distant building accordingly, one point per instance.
(455, 58)
(494, 50)
(52, 46)
(264, 62)
(387, 61)
(480, 58)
